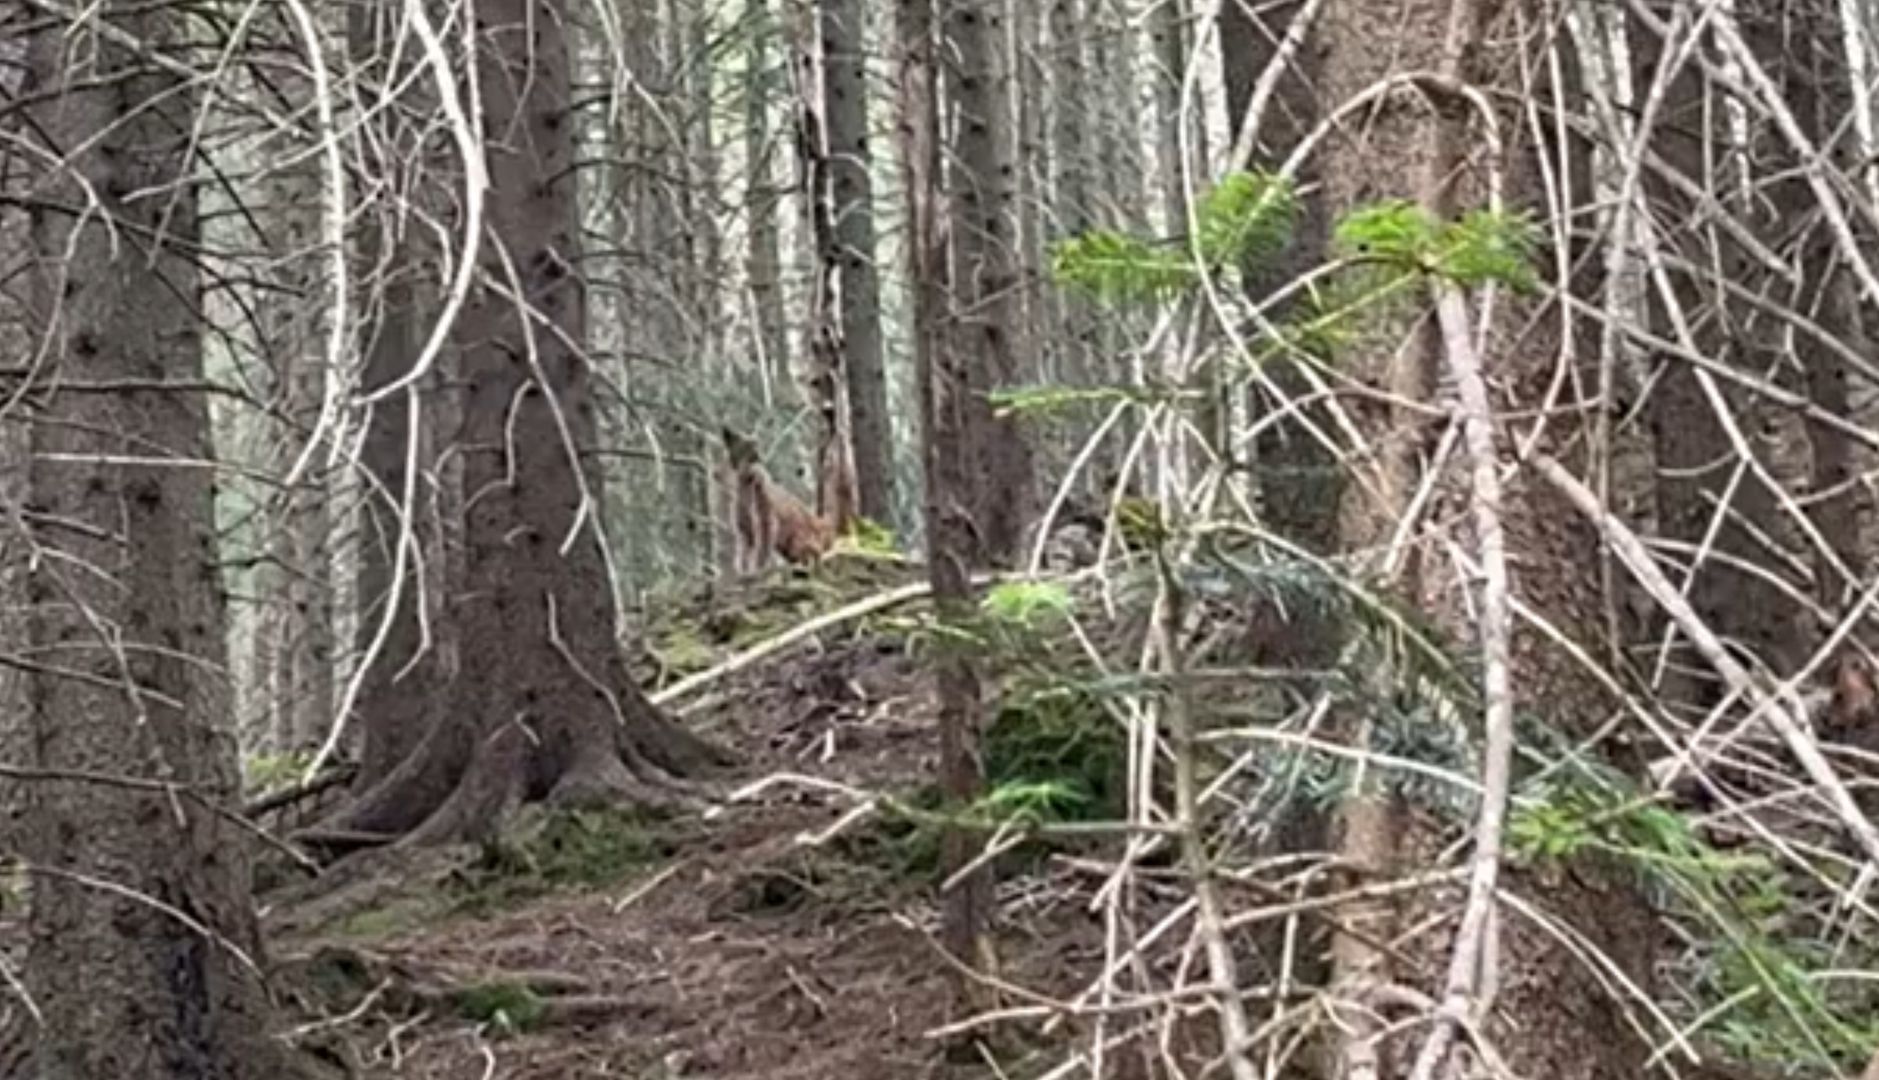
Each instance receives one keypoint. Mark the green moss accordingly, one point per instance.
(561, 849)
(509, 1008)
(399, 916)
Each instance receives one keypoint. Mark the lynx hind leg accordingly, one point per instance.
(766, 535)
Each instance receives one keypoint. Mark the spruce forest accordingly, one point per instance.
(954, 539)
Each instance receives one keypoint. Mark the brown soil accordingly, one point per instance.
(745, 953)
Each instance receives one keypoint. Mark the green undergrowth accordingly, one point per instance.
(562, 850)
(690, 630)
(1766, 986)
(508, 1008)
(545, 852)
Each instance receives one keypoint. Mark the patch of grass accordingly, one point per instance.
(262, 773)
(585, 848)
(509, 1008)
(399, 916)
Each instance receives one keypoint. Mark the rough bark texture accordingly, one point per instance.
(295, 318)
(828, 380)
(1299, 480)
(142, 938)
(851, 196)
(542, 706)
(943, 371)
(763, 263)
(1801, 46)
(1553, 1017)
(401, 688)
(983, 233)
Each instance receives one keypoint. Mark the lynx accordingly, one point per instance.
(767, 518)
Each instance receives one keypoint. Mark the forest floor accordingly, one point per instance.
(732, 944)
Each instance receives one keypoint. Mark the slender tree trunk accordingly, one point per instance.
(763, 199)
(828, 382)
(942, 369)
(984, 252)
(401, 688)
(1073, 337)
(295, 320)
(851, 188)
(144, 948)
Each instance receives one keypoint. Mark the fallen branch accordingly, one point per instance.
(1788, 719)
(805, 630)
(800, 632)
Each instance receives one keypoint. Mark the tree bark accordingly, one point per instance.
(402, 685)
(984, 251)
(763, 200)
(944, 374)
(851, 192)
(144, 949)
(1547, 999)
(542, 706)
(828, 378)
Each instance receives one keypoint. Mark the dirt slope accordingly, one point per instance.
(721, 947)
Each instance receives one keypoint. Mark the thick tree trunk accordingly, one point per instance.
(1553, 1018)
(984, 248)
(1299, 479)
(542, 706)
(1802, 46)
(851, 192)
(1708, 498)
(143, 943)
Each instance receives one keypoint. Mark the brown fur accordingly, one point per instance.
(766, 518)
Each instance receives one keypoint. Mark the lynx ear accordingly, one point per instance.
(741, 450)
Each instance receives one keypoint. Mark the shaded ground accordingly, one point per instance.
(611, 946)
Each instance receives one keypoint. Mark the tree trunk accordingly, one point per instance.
(983, 234)
(1709, 499)
(942, 369)
(295, 320)
(403, 683)
(1802, 47)
(543, 706)
(828, 381)
(143, 946)
(850, 162)
(1553, 1016)
(763, 201)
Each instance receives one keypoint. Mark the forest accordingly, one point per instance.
(956, 539)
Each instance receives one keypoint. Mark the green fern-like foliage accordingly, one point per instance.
(1117, 268)
(1246, 217)
(1483, 247)
(1396, 232)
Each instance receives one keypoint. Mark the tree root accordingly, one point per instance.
(352, 983)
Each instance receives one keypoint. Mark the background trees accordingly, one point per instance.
(1293, 390)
